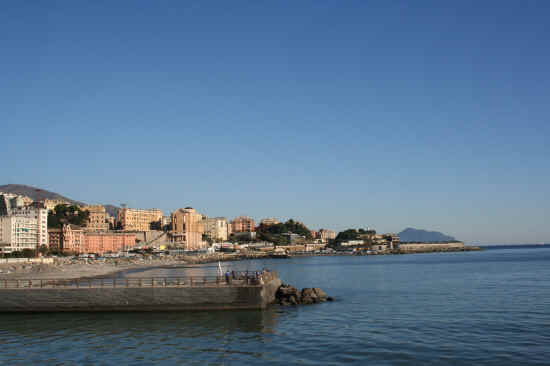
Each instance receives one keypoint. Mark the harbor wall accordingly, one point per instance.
(425, 247)
(138, 299)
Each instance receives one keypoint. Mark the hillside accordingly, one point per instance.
(418, 235)
(44, 194)
(31, 192)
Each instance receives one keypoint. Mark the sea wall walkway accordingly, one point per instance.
(139, 294)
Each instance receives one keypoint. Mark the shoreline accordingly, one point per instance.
(65, 268)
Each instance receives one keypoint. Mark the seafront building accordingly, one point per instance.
(325, 235)
(18, 233)
(137, 219)
(40, 215)
(389, 240)
(242, 224)
(216, 229)
(188, 226)
(73, 239)
(108, 242)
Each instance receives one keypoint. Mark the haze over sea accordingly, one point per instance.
(474, 308)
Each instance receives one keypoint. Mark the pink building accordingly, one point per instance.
(101, 243)
(73, 240)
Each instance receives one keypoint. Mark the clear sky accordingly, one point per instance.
(382, 114)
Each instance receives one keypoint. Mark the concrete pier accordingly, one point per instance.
(138, 294)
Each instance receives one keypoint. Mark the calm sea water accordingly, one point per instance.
(477, 308)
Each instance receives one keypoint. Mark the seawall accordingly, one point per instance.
(433, 247)
(169, 298)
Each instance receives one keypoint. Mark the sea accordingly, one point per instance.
(466, 308)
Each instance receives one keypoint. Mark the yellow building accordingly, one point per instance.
(50, 204)
(269, 221)
(137, 219)
(97, 220)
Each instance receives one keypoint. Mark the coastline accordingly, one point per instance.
(65, 268)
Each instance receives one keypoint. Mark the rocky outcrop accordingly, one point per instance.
(289, 295)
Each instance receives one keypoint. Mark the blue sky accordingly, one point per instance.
(375, 114)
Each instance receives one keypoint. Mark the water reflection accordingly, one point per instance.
(175, 324)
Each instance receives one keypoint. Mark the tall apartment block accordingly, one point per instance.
(187, 228)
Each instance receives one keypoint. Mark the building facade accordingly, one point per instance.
(216, 228)
(73, 239)
(242, 224)
(18, 233)
(97, 219)
(107, 242)
(9, 202)
(54, 238)
(50, 204)
(187, 229)
(269, 221)
(137, 219)
(325, 235)
(166, 222)
(39, 214)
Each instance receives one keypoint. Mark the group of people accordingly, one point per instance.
(232, 275)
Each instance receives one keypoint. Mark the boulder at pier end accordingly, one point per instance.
(289, 295)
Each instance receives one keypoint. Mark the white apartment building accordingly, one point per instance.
(18, 233)
(32, 212)
(216, 228)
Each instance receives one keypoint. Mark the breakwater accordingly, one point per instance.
(139, 294)
(406, 248)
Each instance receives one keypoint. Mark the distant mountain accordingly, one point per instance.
(44, 194)
(417, 235)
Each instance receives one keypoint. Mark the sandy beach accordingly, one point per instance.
(68, 268)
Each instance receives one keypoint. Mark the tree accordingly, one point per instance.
(28, 253)
(44, 250)
(274, 233)
(63, 214)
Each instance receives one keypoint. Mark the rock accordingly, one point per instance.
(286, 291)
(320, 294)
(309, 296)
(289, 295)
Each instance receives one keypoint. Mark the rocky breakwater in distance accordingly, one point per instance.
(288, 295)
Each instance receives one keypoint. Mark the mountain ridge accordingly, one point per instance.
(30, 191)
(418, 235)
